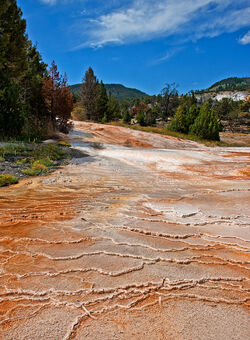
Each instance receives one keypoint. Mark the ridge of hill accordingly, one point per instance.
(117, 90)
(229, 84)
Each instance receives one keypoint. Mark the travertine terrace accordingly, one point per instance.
(147, 238)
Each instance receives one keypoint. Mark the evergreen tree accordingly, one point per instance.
(101, 104)
(223, 108)
(113, 109)
(206, 125)
(13, 66)
(192, 114)
(126, 117)
(89, 94)
(179, 122)
(36, 122)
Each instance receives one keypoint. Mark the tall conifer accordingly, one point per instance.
(89, 94)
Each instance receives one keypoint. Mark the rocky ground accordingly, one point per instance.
(147, 237)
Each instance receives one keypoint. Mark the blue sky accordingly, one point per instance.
(143, 43)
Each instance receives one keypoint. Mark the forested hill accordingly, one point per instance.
(117, 90)
(230, 84)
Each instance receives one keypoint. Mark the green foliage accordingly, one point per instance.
(36, 169)
(50, 151)
(113, 109)
(231, 84)
(89, 94)
(179, 122)
(101, 103)
(150, 117)
(245, 106)
(7, 180)
(104, 119)
(140, 117)
(192, 114)
(44, 161)
(188, 99)
(21, 70)
(22, 161)
(12, 113)
(35, 151)
(14, 149)
(224, 108)
(206, 125)
(126, 117)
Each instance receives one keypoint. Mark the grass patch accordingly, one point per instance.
(36, 151)
(33, 159)
(44, 157)
(52, 152)
(36, 169)
(8, 180)
(44, 161)
(14, 150)
(23, 161)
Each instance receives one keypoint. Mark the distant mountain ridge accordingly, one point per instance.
(229, 84)
(116, 90)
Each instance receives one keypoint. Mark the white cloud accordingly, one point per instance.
(245, 39)
(49, 2)
(169, 54)
(54, 2)
(144, 20)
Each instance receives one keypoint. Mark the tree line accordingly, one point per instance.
(179, 113)
(34, 100)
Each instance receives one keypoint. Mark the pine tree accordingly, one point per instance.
(36, 122)
(113, 109)
(101, 104)
(89, 94)
(206, 125)
(126, 117)
(179, 122)
(13, 66)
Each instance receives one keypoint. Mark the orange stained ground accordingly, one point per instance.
(147, 238)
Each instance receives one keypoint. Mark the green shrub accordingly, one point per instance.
(179, 122)
(44, 161)
(53, 152)
(36, 169)
(14, 150)
(22, 161)
(7, 180)
(140, 117)
(126, 117)
(206, 125)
